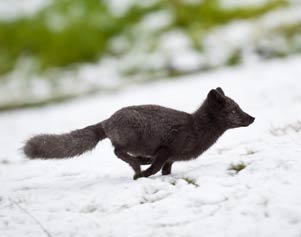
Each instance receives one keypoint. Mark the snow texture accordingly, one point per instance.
(94, 195)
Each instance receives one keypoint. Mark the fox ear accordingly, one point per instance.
(220, 90)
(215, 97)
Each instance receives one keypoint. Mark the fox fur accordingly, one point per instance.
(149, 134)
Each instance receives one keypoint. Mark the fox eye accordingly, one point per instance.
(233, 111)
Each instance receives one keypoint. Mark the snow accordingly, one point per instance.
(246, 36)
(157, 20)
(10, 10)
(94, 195)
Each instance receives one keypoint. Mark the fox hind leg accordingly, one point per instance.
(132, 161)
(160, 159)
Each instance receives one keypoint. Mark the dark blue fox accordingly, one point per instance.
(149, 134)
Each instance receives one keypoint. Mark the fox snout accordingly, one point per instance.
(247, 120)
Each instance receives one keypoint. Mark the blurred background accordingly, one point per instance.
(53, 50)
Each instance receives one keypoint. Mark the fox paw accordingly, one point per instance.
(137, 176)
(166, 172)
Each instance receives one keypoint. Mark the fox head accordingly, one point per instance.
(226, 111)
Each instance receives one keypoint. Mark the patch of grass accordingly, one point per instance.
(237, 167)
(75, 31)
(210, 13)
(66, 32)
(249, 152)
(289, 30)
(198, 18)
(234, 59)
(190, 181)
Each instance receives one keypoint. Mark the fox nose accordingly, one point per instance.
(248, 120)
(252, 119)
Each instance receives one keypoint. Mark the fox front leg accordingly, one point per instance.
(160, 159)
(166, 170)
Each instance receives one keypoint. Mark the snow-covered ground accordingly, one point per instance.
(94, 195)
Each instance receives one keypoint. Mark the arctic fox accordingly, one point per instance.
(149, 134)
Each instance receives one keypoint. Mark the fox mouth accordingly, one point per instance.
(247, 122)
(244, 122)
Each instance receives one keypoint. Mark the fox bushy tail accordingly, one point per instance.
(51, 146)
